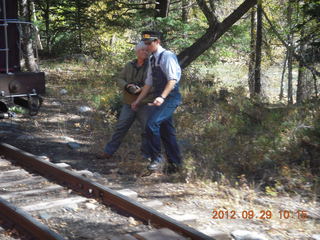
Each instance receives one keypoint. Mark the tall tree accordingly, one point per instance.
(301, 82)
(215, 30)
(162, 8)
(26, 39)
(252, 54)
(185, 8)
(290, 51)
(257, 65)
(283, 76)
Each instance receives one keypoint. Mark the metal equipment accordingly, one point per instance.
(16, 86)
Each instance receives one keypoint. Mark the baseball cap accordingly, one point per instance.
(150, 35)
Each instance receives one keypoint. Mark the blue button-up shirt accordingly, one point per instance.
(169, 65)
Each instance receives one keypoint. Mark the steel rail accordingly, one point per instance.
(104, 194)
(24, 223)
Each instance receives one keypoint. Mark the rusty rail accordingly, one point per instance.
(23, 222)
(104, 194)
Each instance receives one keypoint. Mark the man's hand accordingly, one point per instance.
(132, 88)
(135, 105)
(157, 102)
(138, 90)
(142, 95)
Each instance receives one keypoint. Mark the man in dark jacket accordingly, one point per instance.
(130, 80)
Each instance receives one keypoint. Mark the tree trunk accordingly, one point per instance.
(252, 55)
(301, 82)
(162, 8)
(303, 85)
(290, 96)
(315, 82)
(79, 28)
(26, 42)
(46, 16)
(283, 74)
(185, 10)
(257, 65)
(213, 33)
(290, 52)
(38, 38)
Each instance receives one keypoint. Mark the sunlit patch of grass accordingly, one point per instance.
(17, 109)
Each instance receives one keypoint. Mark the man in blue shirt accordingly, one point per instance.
(163, 77)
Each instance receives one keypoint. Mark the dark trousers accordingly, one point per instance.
(160, 127)
(126, 119)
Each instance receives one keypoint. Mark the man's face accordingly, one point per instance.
(142, 53)
(152, 46)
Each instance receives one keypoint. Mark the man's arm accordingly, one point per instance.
(168, 88)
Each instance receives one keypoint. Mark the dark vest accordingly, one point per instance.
(159, 79)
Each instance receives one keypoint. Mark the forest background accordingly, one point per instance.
(250, 70)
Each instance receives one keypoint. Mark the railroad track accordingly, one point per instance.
(40, 200)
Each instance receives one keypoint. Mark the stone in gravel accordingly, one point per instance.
(54, 103)
(153, 203)
(71, 207)
(73, 145)
(63, 91)
(129, 193)
(84, 109)
(132, 221)
(217, 235)
(4, 163)
(161, 234)
(85, 173)
(44, 158)
(91, 206)
(63, 165)
(97, 175)
(185, 218)
(315, 237)
(247, 235)
(44, 215)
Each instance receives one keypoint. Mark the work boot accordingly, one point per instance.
(156, 164)
(146, 157)
(173, 168)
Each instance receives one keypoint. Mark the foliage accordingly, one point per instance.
(17, 109)
(236, 135)
(68, 28)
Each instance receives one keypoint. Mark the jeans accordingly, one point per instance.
(160, 127)
(126, 119)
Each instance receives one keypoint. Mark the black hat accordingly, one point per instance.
(150, 35)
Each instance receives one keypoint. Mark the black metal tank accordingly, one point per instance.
(9, 10)
(21, 88)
